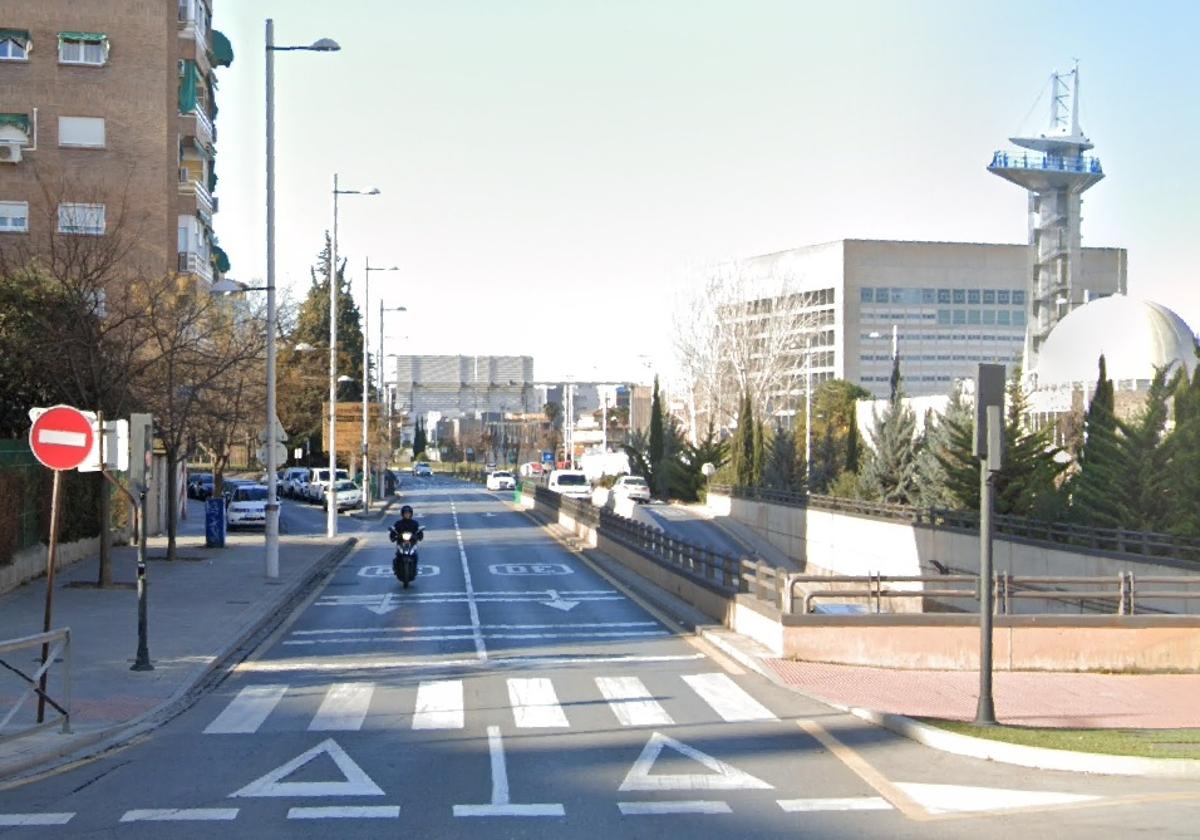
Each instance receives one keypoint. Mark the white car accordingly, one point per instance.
(346, 494)
(248, 506)
(573, 483)
(294, 480)
(421, 468)
(632, 487)
(318, 481)
(501, 480)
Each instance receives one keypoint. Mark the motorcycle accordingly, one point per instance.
(404, 563)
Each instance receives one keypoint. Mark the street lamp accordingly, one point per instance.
(366, 464)
(382, 309)
(271, 529)
(331, 520)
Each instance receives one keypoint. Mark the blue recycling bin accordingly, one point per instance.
(214, 522)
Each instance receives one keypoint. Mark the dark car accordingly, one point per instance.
(200, 485)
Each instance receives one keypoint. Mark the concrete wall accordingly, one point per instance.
(827, 542)
(31, 563)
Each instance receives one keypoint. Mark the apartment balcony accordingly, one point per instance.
(195, 264)
(191, 186)
(195, 123)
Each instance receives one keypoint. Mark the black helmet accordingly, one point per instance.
(406, 509)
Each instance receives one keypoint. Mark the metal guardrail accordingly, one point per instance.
(1057, 163)
(1150, 544)
(55, 643)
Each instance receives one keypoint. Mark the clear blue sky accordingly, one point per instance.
(567, 160)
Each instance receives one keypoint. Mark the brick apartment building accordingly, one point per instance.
(106, 127)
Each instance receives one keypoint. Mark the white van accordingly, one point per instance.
(318, 479)
(572, 483)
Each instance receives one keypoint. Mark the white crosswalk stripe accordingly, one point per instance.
(344, 708)
(631, 702)
(246, 712)
(439, 705)
(727, 698)
(534, 703)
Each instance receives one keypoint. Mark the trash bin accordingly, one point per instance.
(214, 522)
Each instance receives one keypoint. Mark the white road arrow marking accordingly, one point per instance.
(386, 605)
(558, 603)
(946, 799)
(355, 780)
(723, 777)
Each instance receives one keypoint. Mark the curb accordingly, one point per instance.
(91, 744)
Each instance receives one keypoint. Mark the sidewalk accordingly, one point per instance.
(1023, 698)
(201, 608)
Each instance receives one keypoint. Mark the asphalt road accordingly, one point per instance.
(513, 691)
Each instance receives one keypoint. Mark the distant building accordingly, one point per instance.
(453, 387)
(950, 304)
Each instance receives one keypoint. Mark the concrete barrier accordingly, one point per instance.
(30, 563)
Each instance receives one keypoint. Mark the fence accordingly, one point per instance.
(22, 486)
(1147, 544)
(55, 643)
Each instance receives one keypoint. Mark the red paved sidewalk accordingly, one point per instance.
(1026, 698)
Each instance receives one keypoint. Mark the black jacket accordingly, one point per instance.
(401, 525)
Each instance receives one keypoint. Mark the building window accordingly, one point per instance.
(973, 296)
(82, 48)
(989, 295)
(960, 316)
(14, 216)
(1002, 297)
(1002, 318)
(14, 45)
(866, 295)
(1018, 317)
(1018, 298)
(973, 316)
(989, 317)
(960, 295)
(81, 218)
(928, 296)
(943, 295)
(943, 316)
(84, 132)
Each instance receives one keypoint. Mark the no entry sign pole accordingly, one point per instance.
(61, 438)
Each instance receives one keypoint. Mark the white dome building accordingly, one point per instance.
(1134, 336)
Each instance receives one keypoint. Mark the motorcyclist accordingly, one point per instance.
(407, 522)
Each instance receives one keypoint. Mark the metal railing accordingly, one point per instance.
(55, 643)
(1056, 163)
(1149, 544)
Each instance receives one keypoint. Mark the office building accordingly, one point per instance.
(106, 129)
(464, 386)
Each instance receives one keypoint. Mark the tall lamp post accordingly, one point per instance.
(366, 464)
(383, 309)
(272, 525)
(331, 527)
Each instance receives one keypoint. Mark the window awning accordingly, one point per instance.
(20, 121)
(83, 36)
(222, 49)
(21, 36)
(220, 259)
(188, 77)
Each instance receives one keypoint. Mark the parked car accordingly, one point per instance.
(199, 485)
(229, 486)
(572, 483)
(501, 480)
(421, 468)
(318, 479)
(345, 493)
(247, 506)
(294, 479)
(632, 487)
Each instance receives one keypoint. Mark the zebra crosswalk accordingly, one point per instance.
(534, 703)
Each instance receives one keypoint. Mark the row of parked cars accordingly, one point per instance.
(574, 483)
(246, 500)
(311, 484)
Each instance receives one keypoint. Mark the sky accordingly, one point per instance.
(552, 171)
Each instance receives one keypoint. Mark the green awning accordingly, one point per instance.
(222, 50)
(20, 121)
(220, 259)
(82, 36)
(189, 75)
(21, 36)
(212, 175)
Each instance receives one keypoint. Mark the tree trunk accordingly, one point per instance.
(105, 579)
(172, 502)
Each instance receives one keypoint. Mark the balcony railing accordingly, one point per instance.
(192, 263)
(1050, 163)
(204, 130)
(191, 186)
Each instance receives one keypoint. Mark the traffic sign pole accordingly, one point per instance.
(51, 556)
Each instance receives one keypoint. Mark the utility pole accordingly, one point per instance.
(988, 448)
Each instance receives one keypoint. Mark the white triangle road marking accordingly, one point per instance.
(356, 782)
(947, 799)
(722, 777)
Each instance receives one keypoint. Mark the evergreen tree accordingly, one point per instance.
(933, 483)
(420, 442)
(1095, 490)
(760, 453)
(657, 444)
(743, 444)
(1181, 454)
(1143, 487)
(890, 473)
(781, 469)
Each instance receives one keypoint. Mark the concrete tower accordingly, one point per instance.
(1055, 171)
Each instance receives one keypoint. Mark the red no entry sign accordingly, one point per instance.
(61, 437)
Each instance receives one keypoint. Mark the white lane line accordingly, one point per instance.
(622, 634)
(631, 702)
(344, 708)
(377, 663)
(179, 814)
(534, 703)
(727, 698)
(480, 647)
(501, 804)
(845, 803)
(439, 705)
(246, 712)
(344, 812)
(444, 627)
(684, 806)
(16, 820)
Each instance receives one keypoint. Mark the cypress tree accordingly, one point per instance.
(782, 470)
(1143, 488)
(743, 445)
(1182, 460)
(760, 450)
(657, 444)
